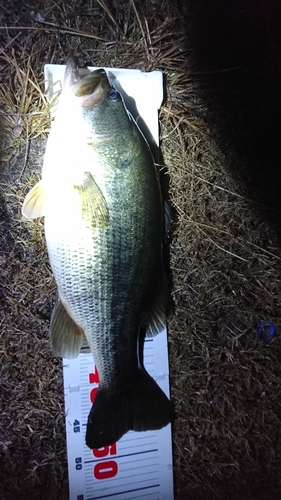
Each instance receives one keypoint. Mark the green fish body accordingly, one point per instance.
(101, 199)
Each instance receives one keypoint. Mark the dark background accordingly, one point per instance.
(237, 61)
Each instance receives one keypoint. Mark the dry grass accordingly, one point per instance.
(225, 264)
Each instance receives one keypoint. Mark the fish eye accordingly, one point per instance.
(114, 96)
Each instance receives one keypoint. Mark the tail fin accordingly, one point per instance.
(139, 407)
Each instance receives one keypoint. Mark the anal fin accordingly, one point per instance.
(85, 348)
(65, 334)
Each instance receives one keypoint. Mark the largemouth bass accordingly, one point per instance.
(101, 199)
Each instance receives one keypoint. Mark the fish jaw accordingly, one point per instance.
(71, 74)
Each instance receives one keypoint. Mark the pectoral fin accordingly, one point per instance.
(66, 335)
(94, 206)
(34, 204)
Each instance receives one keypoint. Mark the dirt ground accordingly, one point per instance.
(220, 137)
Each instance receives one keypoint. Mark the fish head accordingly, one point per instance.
(101, 108)
(90, 88)
(93, 124)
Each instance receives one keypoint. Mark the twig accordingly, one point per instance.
(26, 151)
(140, 25)
(10, 42)
(210, 239)
(70, 31)
(104, 7)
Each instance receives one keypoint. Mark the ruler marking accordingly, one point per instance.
(138, 468)
(124, 492)
(113, 485)
(146, 495)
(137, 437)
(150, 462)
(121, 456)
(136, 480)
(151, 443)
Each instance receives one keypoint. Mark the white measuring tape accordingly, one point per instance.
(139, 465)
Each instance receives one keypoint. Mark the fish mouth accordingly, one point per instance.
(90, 89)
(71, 74)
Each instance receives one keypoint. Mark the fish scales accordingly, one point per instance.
(104, 228)
(101, 287)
